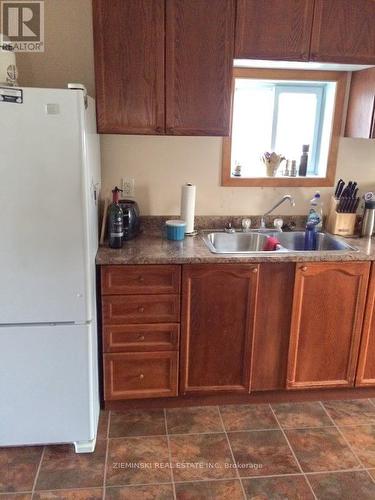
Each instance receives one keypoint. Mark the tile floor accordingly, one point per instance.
(323, 450)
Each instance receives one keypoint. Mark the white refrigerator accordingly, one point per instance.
(49, 187)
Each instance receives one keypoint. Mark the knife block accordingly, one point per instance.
(340, 224)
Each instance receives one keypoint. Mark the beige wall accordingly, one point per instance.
(68, 55)
(160, 165)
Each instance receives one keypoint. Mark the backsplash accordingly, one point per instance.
(154, 223)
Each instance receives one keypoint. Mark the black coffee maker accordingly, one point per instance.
(132, 224)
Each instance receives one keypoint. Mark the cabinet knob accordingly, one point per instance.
(141, 376)
(141, 279)
(141, 309)
(304, 268)
(255, 270)
(141, 337)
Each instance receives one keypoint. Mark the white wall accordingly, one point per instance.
(161, 164)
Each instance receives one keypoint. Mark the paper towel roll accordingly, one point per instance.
(188, 206)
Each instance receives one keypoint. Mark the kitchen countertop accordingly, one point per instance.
(151, 248)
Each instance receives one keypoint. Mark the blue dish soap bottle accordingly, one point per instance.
(315, 214)
(310, 236)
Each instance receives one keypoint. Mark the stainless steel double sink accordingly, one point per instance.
(254, 242)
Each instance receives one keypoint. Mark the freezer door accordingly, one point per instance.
(48, 384)
(44, 263)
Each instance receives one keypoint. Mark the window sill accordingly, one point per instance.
(278, 182)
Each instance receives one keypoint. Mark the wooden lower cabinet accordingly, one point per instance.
(366, 364)
(137, 375)
(141, 280)
(124, 309)
(272, 326)
(218, 309)
(139, 338)
(328, 307)
(140, 331)
(243, 328)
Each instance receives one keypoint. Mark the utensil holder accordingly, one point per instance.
(338, 223)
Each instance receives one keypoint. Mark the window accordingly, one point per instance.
(280, 111)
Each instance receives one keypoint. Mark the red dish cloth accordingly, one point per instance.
(271, 244)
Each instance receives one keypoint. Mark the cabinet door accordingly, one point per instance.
(199, 61)
(328, 306)
(274, 29)
(129, 66)
(366, 365)
(344, 31)
(360, 121)
(218, 309)
(272, 326)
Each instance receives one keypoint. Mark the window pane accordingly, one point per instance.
(279, 116)
(252, 125)
(295, 123)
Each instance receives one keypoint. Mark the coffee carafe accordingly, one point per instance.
(368, 223)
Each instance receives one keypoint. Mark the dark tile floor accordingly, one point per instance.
(323, 450)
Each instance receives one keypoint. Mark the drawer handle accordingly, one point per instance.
(141, 279)
(255, 270)
(141, 376)
(304, 268)
(141, 309)
(141, 337)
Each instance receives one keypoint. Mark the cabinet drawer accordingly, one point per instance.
(119, 309)
(133, 280)
(128, 338)
(140, 375)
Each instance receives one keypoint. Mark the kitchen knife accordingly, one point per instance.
(354, 186)
(339, 187)
(347, 190)
(356, 205)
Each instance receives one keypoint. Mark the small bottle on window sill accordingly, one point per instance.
(302, 171)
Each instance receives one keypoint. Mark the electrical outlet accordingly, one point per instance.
(128, 189)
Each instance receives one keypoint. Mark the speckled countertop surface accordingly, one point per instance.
(151, 248)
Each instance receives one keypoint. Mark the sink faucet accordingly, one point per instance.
(284, 198)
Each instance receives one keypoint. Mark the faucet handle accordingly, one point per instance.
(228, 228)
(278, 224)
(246, 225)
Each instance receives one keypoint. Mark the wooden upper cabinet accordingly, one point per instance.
(344, 31)
(328, 307)
(199, 60)
(274, 29)
(129, 66)
(366, 365)
(360, 121)
(218, 311)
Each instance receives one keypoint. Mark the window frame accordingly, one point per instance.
(340, 78)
